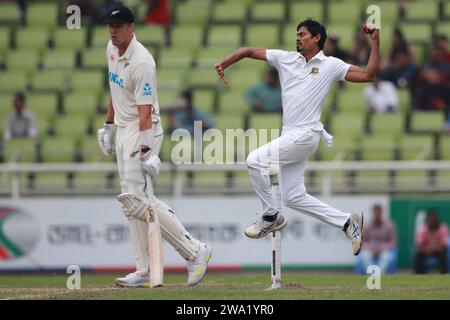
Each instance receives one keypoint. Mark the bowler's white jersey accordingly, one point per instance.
(304, 85)
(132, 81)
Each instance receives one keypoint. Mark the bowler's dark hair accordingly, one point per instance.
(314, 28)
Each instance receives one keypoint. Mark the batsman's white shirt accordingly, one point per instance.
(304, 85)
(132, 80)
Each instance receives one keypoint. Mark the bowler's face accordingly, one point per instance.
(305, 40)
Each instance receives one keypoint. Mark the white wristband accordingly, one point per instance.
(146, 138)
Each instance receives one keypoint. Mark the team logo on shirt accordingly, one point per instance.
(314, 71)
(147, 89)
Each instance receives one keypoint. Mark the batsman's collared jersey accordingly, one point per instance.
(132, 82)
(304, 85)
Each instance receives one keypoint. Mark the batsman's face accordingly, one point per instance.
(305, 40)
(120, 33)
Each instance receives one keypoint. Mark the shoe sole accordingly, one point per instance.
(279, 227)
(362, 224)
(208, 257)
(127, 285)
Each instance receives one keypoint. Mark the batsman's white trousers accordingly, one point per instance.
(132, 180)
(287, 155)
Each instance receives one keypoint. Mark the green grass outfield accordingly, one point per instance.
(234, 286)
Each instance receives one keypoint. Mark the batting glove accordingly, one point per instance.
(150, 164)
(105, 138)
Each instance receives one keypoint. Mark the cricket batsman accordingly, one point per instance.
(134, 112)
(306, 76)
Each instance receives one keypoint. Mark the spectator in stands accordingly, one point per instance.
(266, 96)
(380, 240)
(431, 241)
(184, 117)
(433, 85)
(360, 52)
(332, 48)
(400, 45)
(158, 12)
(103, 8)
(381, 96)
(400, 71)
(20, 123)
(441, 44)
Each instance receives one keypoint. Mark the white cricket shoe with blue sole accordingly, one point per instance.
(197, 267)
(262, 228)
(354, 231)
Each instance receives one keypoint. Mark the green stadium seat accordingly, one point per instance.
(59, 59)
(72, 127)
(389, 13)
(265, 121)
(87, 81)
(225, 36)
(204, 100)
(207, 57)
(387, 125)
(242, 79)
(351, 100)
(50, 81)
(167, 98)
(229, 12)
(431, 121)
(302, 10)
(443, 27)
(233, 101)
(170, 79)
(100, 37)
(43, 106)
(4, 39)
(342, 149)
(9, 14)
(194, 12)
(289, 36)
(80, 104)
(417, 32)
(69, 39)
(152, 34)
(186, 38)
(404, 97)
(22, 60)
(94, 58)
(226, 121)
(20, 150)
(420, 11)
(377, 148)
(59, 149)
(203, 78)
(343, 13)
(265, 36)
(386, 37)
(416, 147)
(445, 147)
(32, 38)
(345, 32)
(175, 58)
(12, 81)
(349, 125)
(268, 12)
(42, 15)
(91, 152)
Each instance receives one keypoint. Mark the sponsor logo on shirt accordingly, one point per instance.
(114, 78)
(147, 89)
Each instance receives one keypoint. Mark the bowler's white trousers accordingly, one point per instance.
(287, 155)
(133, 181)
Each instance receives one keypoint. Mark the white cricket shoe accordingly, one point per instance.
(262, 228)
(133, 280)
(197, 267)
(354, 231)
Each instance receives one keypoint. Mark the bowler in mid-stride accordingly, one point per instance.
(306, 76)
